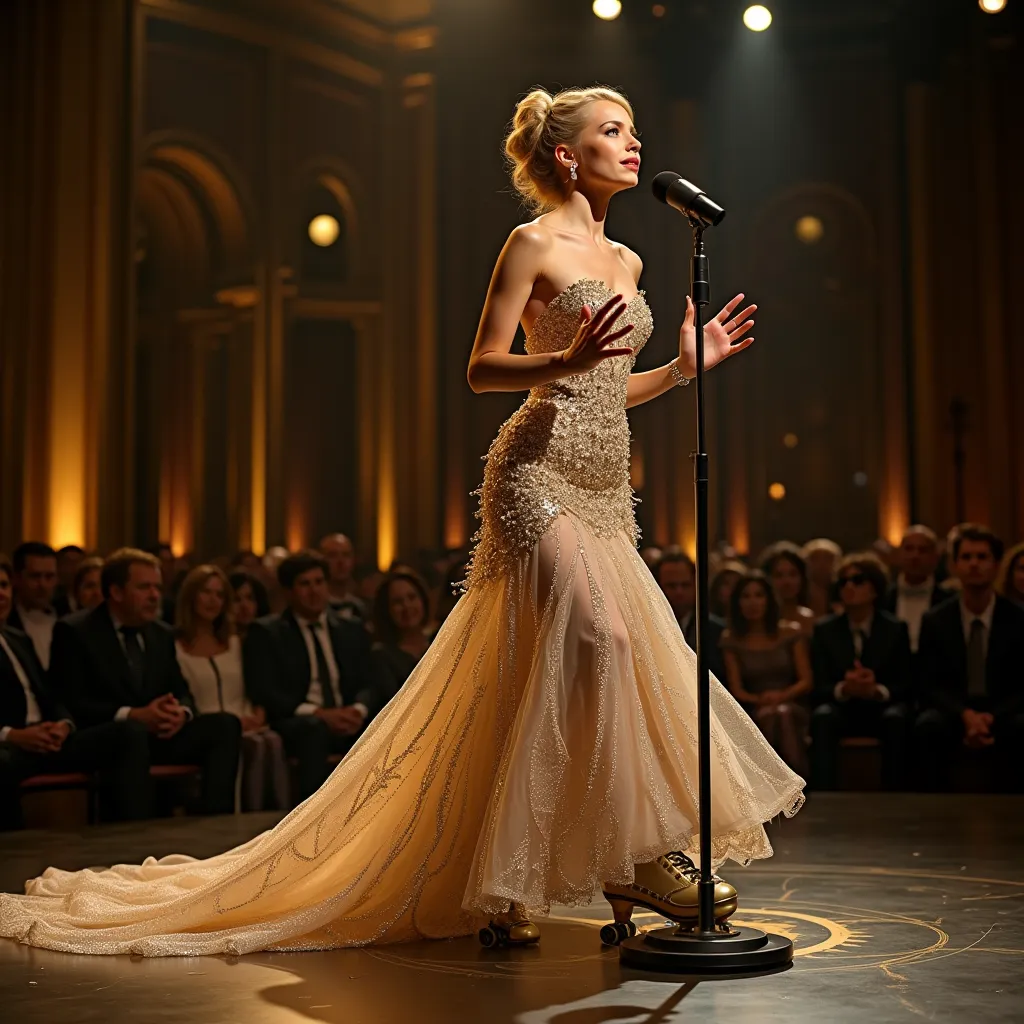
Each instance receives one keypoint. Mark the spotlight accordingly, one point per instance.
(607, 10)
(809, 229)
(757, 18)
(777, 491)
(323, 230)
(991, 6)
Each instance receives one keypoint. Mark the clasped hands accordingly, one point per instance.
(163, 715)
(977, 729)
(860, 682)
(41, 738)
(344, 721)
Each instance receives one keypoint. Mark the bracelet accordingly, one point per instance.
(677, 375)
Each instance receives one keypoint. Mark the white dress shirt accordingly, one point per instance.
(217, 683)
(315, 694)
(122, 713)
(858, 650)
(967, 617)
(33, 713)
(39, 627)
(912, 601)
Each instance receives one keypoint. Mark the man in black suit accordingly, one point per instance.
(677, 576)
(862, 676)
(312, 671)
(35, 583)
(971, 669)
(916, 590)
(38, 735)
(116, 662)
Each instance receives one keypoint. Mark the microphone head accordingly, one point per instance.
(660, 185)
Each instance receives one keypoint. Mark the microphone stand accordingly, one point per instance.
(708, 948)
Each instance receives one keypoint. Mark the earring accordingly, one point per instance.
(572, 170)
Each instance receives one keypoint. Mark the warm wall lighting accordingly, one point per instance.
(809, 229)
(991, 6)
(608, 10)
(757, 18)
(790, 440)
(323, 230)
(777, 492)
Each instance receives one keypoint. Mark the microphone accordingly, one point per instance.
(685, 197)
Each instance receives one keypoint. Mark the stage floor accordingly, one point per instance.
(902, 908)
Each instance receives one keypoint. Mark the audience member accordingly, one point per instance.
(35, 583)
(971, 668)
(251, 601)
(650, 554)
(1011, 576)
(950, 581)
(117, 662)
(821, 557)
(86, 587)
(272, 558)
(915, 589)
(768, 668)
(69, 558)
(862, 674)
(677, 576)
(210, 654)
(312, 671)
(785, 567)
(38, 735)
(399, 628)
(340, 555)
(721, 587)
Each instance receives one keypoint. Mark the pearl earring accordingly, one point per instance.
(572, 170)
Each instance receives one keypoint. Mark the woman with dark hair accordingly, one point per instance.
(210, 655)
(785, 567)
(399, 626)
(251, 599)
(722, 585)
(1010, 582)
(768, 667)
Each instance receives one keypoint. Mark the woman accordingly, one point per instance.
(1011, 575)
(85, 588)
(786, 569)
(251, 600)
(821, 556)
(515, 768)
(210, 656)
(399, 627)
(722, 585)
(768, 666)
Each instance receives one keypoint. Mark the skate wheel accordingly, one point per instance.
(488, 937)
(631, 929)
(610, 935)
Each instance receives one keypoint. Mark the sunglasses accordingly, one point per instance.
(857, 578)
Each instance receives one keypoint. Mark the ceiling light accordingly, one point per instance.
(757, 18)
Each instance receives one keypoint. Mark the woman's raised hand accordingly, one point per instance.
(723, 336)
(595, 339)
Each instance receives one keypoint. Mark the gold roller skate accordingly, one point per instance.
(668, 886)
(513, 928)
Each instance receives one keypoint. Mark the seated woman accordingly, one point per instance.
(86, 590)
(399, 627)
(251, 599)
(210, 655)
(768, 668)
(785, 567)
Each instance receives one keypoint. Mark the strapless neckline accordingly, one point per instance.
(560, 299)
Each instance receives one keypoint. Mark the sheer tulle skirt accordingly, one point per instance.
(546, 742)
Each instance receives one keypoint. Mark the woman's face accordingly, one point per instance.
(210, 599)
(88, 593)
(1017, 575)
(608, 151)
(405, 605)
(5, 596)
(245, 605)
(786, 580)
(726, 585)
(753, 602)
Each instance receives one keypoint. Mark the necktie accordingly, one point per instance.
(323, 673)
(858, 643)
(976, 659)
(136, 656)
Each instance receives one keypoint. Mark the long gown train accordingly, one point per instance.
(546, 742)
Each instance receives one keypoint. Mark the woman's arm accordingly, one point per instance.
(642, 387)
(804, 676)
(735, 678)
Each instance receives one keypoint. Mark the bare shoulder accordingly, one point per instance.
(632, 261)
(534, 237)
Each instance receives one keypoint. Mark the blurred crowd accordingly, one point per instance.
(263, 671)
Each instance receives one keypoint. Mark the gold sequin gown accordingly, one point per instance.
(545, 743)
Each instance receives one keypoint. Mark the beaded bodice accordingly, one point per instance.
(566, 448)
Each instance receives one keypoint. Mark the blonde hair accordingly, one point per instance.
(1004, 582)
(543, 122)
(185, 613)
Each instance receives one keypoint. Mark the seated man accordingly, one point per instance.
(312, 671)
(116, 662)
(35, 584)
(38, 736)
(971, 669)
(862, 676)
(677, 576)
(915, 590)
